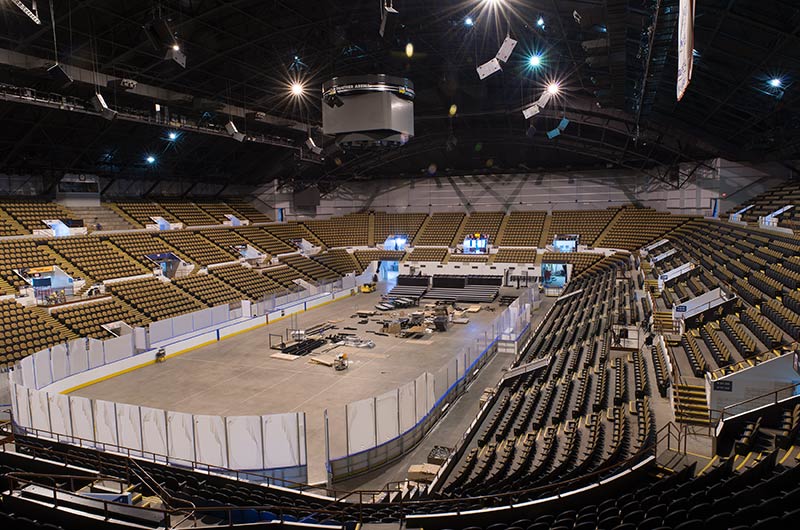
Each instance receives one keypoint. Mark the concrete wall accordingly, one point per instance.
(537, 191)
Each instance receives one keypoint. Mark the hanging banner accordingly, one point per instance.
(685, 45)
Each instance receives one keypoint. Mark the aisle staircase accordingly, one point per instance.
(543, 239)
(371, 230)
(599, 241)
(421, 229)
(455, 242)
(691, 405)
(500, 231)
(663, 322)
(108, 219)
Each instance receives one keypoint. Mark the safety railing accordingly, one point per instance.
(768, 398)
(156, 458)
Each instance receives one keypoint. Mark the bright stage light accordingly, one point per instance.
(775, 82)
(172, 136)
(298, 89)
(469, 22)
(176, 47)
(553, 89)
(409, 50)
(151, 159)
(535, 61)
(540, 22)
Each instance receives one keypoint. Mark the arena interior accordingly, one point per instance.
(387, 264)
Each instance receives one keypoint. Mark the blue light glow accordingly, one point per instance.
(151, 159)
(540, 22)
(535, 61)
(469, 22)
(775, 82)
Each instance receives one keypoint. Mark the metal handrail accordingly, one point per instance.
(773, 393)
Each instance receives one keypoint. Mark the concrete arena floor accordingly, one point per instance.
(238, 377)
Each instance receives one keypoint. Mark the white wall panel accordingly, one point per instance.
(59, 361)
(210, 445)
(421, 393)
(40, 410)
(160, 330)
(387, 416)
(408, 407)
(360, 425)
(202, 319)
(41, 364)
(78, 356)
(23, 412)
(96, 354)
(154, 431)
(180, 436)
(82, 417)
(118, 348)
(282, 440)
(129, 426)
(245, 450)
(60, 414)
(105, 422)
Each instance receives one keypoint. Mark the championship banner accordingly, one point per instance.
(685, 45)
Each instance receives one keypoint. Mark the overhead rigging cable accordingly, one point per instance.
(53, 24)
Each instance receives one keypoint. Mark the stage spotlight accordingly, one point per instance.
(453, 110)
(553, 89)
(172, 136)
(150, 159)
(100, 106)
(230, 127)
(535, 61)
(409, 50)
(469, 22)
(297, 89)
(775, 82)
(176, 47)
(540, 22)
(389, 16)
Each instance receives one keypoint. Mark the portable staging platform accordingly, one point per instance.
(407, 291)
(483, 294)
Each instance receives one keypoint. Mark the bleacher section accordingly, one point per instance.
(390, 224)
(27, 330)
(31, 213)
(245, 210)
(440, 230)
(523, 229)
(138, 245)
(284, 276)
(142, 212)
(339, 261)
(198, 248)
(772, 200)
(330, 231)
(764, 319)
(427, 254)
(266, 239)
(186, 212)
(98, 259)
(365, 257)
(87, 319)
(154, 298)
(636, 227)
(515, 255)
(486, 223)
(586, 223)
(290, 232)
(580, 260)
(209, 289)
(245, 280)
(311, 269)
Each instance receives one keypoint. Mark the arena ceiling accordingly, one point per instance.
(242, 56)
